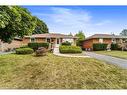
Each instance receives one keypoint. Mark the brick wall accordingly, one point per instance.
(89, 43)
(39, 40)
(13, 44)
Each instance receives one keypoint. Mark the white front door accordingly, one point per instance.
(57, 42)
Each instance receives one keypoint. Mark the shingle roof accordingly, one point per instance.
(50, 35)
(105, 36)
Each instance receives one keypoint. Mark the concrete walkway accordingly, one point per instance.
(3, 53)
(56, 52)
(112, 60)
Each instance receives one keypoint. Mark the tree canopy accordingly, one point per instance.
(41, 27)
(16, 21)
(124, 32)
(81, 37)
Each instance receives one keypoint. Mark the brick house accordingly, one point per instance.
(102, 38)
(54, 39)
(16, 43)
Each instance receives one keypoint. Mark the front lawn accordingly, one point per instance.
(29, 72)
(119, 54)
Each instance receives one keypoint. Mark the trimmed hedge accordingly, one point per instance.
(66, 43)
(114, 46)
(98, 47)
(70, 49)
(35, 46)
(24, 46)
(24, 51)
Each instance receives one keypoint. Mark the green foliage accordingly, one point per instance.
(124, 32)
(81, 37)
(16, 21)
(114, 46)
(41, 27)
(24, 46)
(70, 49)
(35, 46)
(98, 47)
(66, 43)
(24, 51)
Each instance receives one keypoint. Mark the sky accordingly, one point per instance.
(90, 19)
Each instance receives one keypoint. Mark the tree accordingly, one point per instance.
(17, 21)
(70, 34)
(124, 32)
(41, 27)
(81, 37)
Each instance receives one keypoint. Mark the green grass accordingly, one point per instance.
(119, 54)
(29, 72)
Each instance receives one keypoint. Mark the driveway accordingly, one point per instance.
(112, 60)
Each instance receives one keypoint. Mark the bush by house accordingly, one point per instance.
(70, 49)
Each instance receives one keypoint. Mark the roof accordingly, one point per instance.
(51, 35)
(105, 36)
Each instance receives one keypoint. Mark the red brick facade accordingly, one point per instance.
(12, 45)
(89, 43)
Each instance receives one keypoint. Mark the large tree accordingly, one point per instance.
(41, 27)
(124, 32)
(16, 21)
(81, 37)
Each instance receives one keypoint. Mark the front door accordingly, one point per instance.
(57, 42)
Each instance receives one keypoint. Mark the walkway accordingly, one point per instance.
(2, 53)
(56, 52)
(112, 60)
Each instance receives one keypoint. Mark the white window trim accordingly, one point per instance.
(101, 40)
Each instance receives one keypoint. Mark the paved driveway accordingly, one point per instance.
(112, 60)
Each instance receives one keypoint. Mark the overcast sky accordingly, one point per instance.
(90, 19)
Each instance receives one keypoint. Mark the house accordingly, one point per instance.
(102, 38)
(54, 39)
(16, 43)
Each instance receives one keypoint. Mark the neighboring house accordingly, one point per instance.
(16, 43)
(53, 38)
(102, 38)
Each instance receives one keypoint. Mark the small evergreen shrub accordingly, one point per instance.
(99, 46)
(66, 43)
(70, 49)
(35, 46)
(114, 46)
(24, 51)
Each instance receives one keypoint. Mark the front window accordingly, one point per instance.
(48, 40)
(100, 40)
(32, 39)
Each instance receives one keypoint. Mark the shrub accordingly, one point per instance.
(114, 46)
(35, 46)
(66, 43)
(24, 46)
(24, 51)
(98, 46)
(70, 49)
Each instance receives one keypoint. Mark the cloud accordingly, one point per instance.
(104, 22)
(66, 20)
